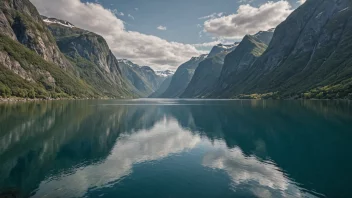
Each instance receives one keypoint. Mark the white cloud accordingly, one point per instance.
(208, 44)
(212, 16)
(117, 13)
(160, 27)
(140, 48)
(213, 43)
(249, 20)
(301, 1)
(130, 15)
(245, 1)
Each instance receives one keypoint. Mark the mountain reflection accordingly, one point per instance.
(266, 148)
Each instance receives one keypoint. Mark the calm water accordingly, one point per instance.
(176, 148)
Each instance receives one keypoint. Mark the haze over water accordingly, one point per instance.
(176, 148)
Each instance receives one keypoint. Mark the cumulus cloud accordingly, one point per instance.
(140, 48)
(249, 20)
(160, 27)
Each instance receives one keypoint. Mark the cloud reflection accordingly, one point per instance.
(164, 139)
(264, 178)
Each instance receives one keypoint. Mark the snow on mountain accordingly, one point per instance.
(222, 48)
(57, 21)
(165, 73)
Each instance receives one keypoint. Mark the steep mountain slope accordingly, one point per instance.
(237, 62)
(31, 64)
(208, 72)
(20, 20)
(265, 36)
(163, 87)
(311, 52)
(182, 77)
(222, 48)
(107, 73)
(23, 73)
(92, 58)
(144, 80)
(211, 72)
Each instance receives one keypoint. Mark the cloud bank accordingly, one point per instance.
(140, 48)
(249, 20)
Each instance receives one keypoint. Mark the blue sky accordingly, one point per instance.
(165, 33)
(180, 17)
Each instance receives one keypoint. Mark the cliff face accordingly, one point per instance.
(143, 79)
(20, 20)
(236, 63)
(32, 65)
(310, 49)
(182, 77)
(92, 58)
(163, 87)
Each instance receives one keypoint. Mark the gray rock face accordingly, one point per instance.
(163, 87)
(92, 58)
(20, 20)
(236, 63)
(208, 72)
(182, 77)
(15, 66)
(311, 48)
(265, 36)
(143, 79)
(222, 48)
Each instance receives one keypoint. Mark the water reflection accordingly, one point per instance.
(264, 148)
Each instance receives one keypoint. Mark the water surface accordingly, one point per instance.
(176, 148)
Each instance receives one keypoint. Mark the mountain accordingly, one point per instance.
(21, 21)
(144, 80)
(165, 74)
(48, 20)
(310, 56)
(237, 62)
(208, 72)
(31, 64)
(222, 48)
(182, 77)
(163, 87)
(90, 54)
(265, 36)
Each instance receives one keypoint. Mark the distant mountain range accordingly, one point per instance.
(308, 56)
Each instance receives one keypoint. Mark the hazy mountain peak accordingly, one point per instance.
(222, 48)
(165, 73)
(265, 36)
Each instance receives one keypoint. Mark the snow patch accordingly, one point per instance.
(59, 22)
(165, 73)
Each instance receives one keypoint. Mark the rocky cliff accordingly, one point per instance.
(182, 77)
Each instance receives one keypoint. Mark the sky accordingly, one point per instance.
(164, 34)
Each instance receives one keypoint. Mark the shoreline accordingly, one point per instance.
(16, 99)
